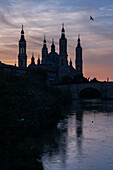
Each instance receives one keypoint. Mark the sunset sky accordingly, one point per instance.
(45, 17)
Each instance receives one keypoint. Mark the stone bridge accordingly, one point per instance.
(101, 89)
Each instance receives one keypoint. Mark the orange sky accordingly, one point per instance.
(44, 18)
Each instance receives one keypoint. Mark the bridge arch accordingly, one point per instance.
(89, 93)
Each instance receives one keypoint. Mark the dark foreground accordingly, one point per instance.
(29, 110)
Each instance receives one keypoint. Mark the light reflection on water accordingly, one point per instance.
(86, 138)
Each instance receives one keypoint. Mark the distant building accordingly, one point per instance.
(22, 57)
(79, 57)
(59, 62)
(56, 64)
(12, 69)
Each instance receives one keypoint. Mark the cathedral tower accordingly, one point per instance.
(33, 59)
(22, 57)
(63, 62)
(63, 48)
(44, 51)
(79, 57)
(53, 46)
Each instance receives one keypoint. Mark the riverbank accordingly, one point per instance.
(27, 99)
(28, 109)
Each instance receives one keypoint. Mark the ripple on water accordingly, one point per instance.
(83, 145)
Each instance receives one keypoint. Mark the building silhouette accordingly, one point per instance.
(58, 63)
(78, 62)
(55, 64)
(22, 57)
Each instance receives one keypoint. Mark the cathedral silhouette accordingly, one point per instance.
(55, 64)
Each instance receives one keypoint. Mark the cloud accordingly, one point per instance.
(45, 18)
(4, 20)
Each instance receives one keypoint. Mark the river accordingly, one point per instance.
(83, 139)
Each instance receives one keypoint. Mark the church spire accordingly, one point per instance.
(32, 59)
(44, 50)
(78, 61)
(79, 40)
(44, 41)
(63, 62)
(22, 57)
(53, 46)
(22, 34)
(70, 62)
(38, 61)
(52, 40)
(63, 43)
(63, 31)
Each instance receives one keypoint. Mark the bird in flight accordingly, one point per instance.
(91, 18)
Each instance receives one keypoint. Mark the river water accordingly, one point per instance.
(83, 139)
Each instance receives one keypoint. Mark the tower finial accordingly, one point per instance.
(44, 39)
(32, 54)
(63, 30)
(22, 32)
(53, 46)
(62, 25)
(78, 39)
(78, 36)
(52, 40)
(38, 61)
(32, 59)
(70, 62)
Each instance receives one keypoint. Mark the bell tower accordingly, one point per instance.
(63, 48)
(63, 62)
(79, 57)
(22, 57)
(44, 51)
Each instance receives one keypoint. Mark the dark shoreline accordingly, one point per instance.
(29, 109)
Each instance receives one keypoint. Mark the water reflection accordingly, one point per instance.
(79, 122)
(83, 139)
(79, 128)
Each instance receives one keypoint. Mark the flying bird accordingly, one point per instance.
(91, 18)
